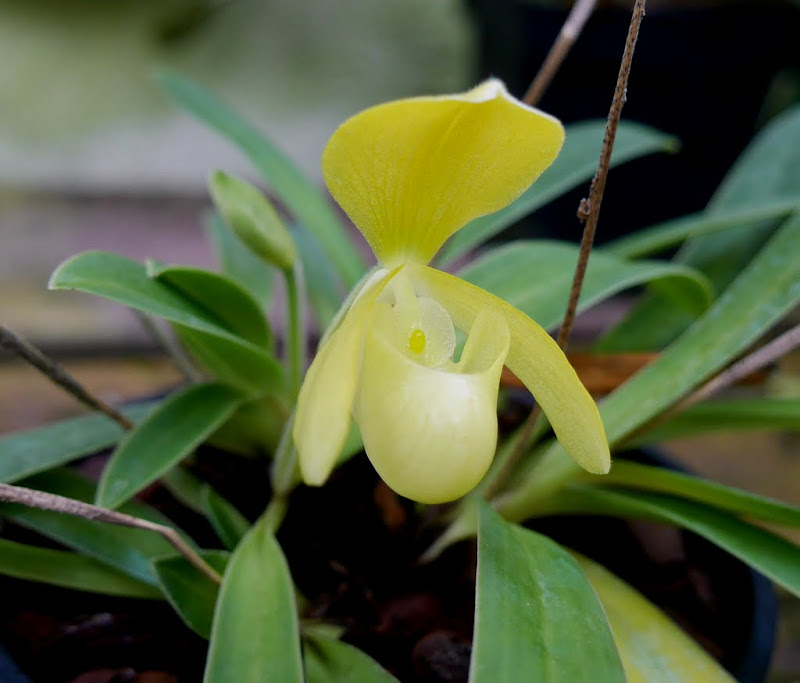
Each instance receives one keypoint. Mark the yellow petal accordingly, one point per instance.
(410, 173)
(431, 433)
(533, 357)
(325, 402)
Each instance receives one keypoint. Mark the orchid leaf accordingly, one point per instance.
(254, 371)
(772, 555)
(767, 170)
(324, 292)
(760, 296)
(652, 647)
(576, 164)
(125, 549)
(328, 660)
(180, 424)
(306, 202)
(28, 452)
(727, 415)
(255, 634)
(648, 478)
(672, 232)
(185, 487)
(69, 570)
(222, 297)
(119, 279)
(561, 614)
(506, 272)
(192, 594)
(762, 186)
(239, 263)
(229, 524)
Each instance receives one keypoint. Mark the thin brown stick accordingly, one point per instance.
(57, 374)
(76, 508)
(589, 209)
(588, 214)
(760, 358)
(751, 363)
(580, 13)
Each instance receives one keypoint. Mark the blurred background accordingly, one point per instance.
(94, 156)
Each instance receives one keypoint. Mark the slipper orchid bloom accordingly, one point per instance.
(409, 174)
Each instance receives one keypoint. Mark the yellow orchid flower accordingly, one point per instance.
(409, 174)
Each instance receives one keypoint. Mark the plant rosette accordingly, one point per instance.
(323, 571)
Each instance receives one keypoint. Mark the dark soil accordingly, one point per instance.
(353, 547)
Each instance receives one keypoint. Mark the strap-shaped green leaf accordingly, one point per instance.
(576, 163)
(772, 555)
(324, 292)
(328, 660)
(229, 524)
(730, 415)
(119, 279)
(535, 612)
(760, 296)
(672, 232)
(191, 593)
(248, 368)
(221, 296)
(23, 454)
(507, 272)
(652, 647)
(180, 424)
(61, 568)
(646, 477)
(255, 635)
(763, 185)
(306, 202)
(128, 550)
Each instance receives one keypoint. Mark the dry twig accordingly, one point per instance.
(57, 374)
(68, 506)
(588, 214)
(742, 368)
(580, 13)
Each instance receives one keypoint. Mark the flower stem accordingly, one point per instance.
(296, 337)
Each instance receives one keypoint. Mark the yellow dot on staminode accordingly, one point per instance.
(416, 341)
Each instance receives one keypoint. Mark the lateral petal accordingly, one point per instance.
(536, 359)
(410, 173)
(325, 402)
